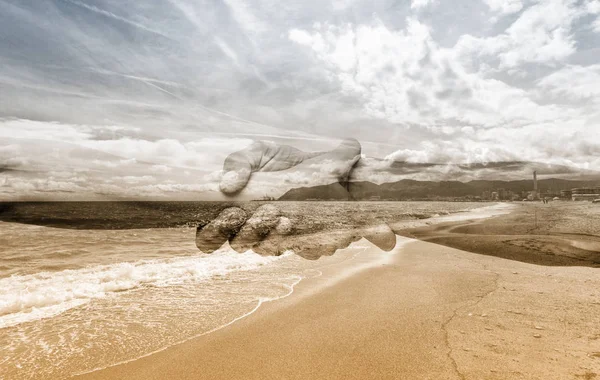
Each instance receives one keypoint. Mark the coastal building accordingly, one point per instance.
(486, 195)
(585, 193)
(566, 194)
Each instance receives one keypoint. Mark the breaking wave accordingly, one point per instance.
(41, 295)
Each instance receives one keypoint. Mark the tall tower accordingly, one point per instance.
(535, 185)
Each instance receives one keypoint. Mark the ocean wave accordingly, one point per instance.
(41, 295)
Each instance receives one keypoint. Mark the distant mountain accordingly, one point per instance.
(333, 192)
(378, 170)
(408, 189)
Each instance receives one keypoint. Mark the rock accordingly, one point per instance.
(256, 229)
(285, 226)
(211, 237)
(278, 240)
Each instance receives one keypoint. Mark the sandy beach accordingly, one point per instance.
(425, 311)
(557, 234)
(299, 190)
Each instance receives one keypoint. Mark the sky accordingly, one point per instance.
(119, 99)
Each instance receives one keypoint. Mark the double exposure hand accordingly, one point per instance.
(268, 232)
(333, 167)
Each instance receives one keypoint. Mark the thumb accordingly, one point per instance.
(259, 156)
(238, 167)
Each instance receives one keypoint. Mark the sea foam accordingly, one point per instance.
(46, 294)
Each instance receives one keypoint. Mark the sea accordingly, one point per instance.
(87, 285)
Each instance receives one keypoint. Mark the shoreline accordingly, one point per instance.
(338, 273)
(553, 235)
(433, 312)
(141, 215)
(191, 318)
(259, 303)
(368, 257)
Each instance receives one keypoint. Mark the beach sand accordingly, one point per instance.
(556, 234)
(425, 312)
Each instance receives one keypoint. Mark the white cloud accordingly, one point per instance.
(405, 77)
(73, 186)
(505, 6)
(420, 4)
(573, 81)
(65, 158)
(523, 87)
(161, 168)
(164, 189)
(30, 129)
(206, 153)
(371, 61)
(593, 7)
(541, 34)
(340, 5)
(547, 143)
(456, 151)
(300, 36)
(131, 179)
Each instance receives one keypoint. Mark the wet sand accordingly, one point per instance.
(556, 234)
(429, 312)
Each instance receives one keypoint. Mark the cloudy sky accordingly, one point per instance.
(103, 99)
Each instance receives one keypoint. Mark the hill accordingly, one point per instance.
(408, 189)
(333, 192)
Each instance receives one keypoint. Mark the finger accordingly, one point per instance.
(337, 165)
(238, 167)
(269, 157)
(212, 236)
(256, 228)
(348, 148)
(259, 156)
(325, 243)
(277, 241)
(381, 236)
(316, 245)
